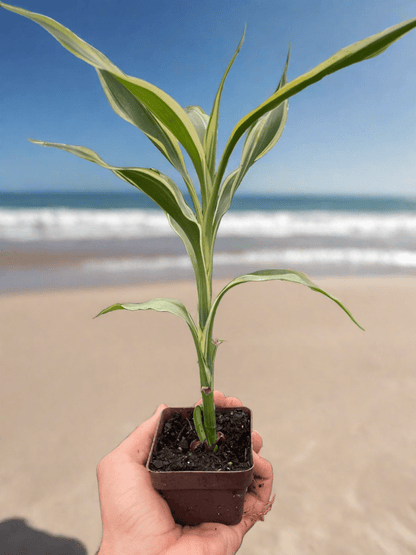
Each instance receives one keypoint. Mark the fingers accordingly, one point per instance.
(221, 400)
(262, 483)
(137, 445)
(257, 503)
(257, 441)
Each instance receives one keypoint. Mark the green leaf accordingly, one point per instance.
(266, 131)
(67, 38)
(269, 275)
(230, 185)
(128, 107)
(357, 52)
(160, 104)
(174, 117)
(210, 141)
(194, 250)
(174, 307)
(199, 120)
(261, 137)
(199, 427)
(159, 187)
(159, 304)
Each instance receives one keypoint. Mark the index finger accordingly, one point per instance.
(137, 445)
(221, 400)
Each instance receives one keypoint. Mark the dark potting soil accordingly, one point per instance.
(173, 445)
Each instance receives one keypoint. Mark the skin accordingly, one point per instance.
(137, 520)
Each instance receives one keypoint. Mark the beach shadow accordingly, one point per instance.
(18, 538)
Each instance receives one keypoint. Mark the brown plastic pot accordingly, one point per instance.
(195, 497)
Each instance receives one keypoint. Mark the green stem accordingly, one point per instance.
(204, 307)
(209, 417)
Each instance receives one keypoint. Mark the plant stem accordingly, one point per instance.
(204, 307)
(209, 417)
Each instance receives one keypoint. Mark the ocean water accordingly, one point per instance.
(55, 240)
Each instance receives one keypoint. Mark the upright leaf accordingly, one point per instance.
(210, 141)
(194, 250)
(266, 131)
(261, 137)
(357, 52)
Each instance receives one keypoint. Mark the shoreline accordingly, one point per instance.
(48, 265)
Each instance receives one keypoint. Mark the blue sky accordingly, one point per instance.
(353, 132)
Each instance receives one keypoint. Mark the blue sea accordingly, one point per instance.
(59, 240)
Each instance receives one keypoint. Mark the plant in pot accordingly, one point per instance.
(201, 459)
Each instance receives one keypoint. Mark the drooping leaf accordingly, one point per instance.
(160, 104)
(159, 187)
(357, 52)
(174, 307)
(159, 304)
(269, 275)
(210, 140)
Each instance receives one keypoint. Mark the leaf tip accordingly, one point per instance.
(35, 142)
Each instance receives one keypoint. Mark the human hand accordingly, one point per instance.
(137, 520)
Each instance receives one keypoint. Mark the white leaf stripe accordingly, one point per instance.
(153, 183)
(128, 107)
(269, 275)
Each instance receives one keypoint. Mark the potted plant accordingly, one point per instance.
(200, 433)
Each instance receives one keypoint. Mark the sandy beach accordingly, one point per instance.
(335, 406)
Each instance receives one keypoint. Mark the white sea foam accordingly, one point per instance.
(318, 223)
(69, 224)
(64, 224)
(271, 258)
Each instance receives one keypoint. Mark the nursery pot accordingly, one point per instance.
(195, 496)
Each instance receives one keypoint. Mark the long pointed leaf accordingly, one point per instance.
(357, 52)
(265, 133)
(162, 106)
(230, 185)
(128, 107)
(159, 187)
(261, 137)
(68, 39)
(159, 304)
(269, 275)
(210, 141)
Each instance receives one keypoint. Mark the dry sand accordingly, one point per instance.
(336, 406)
